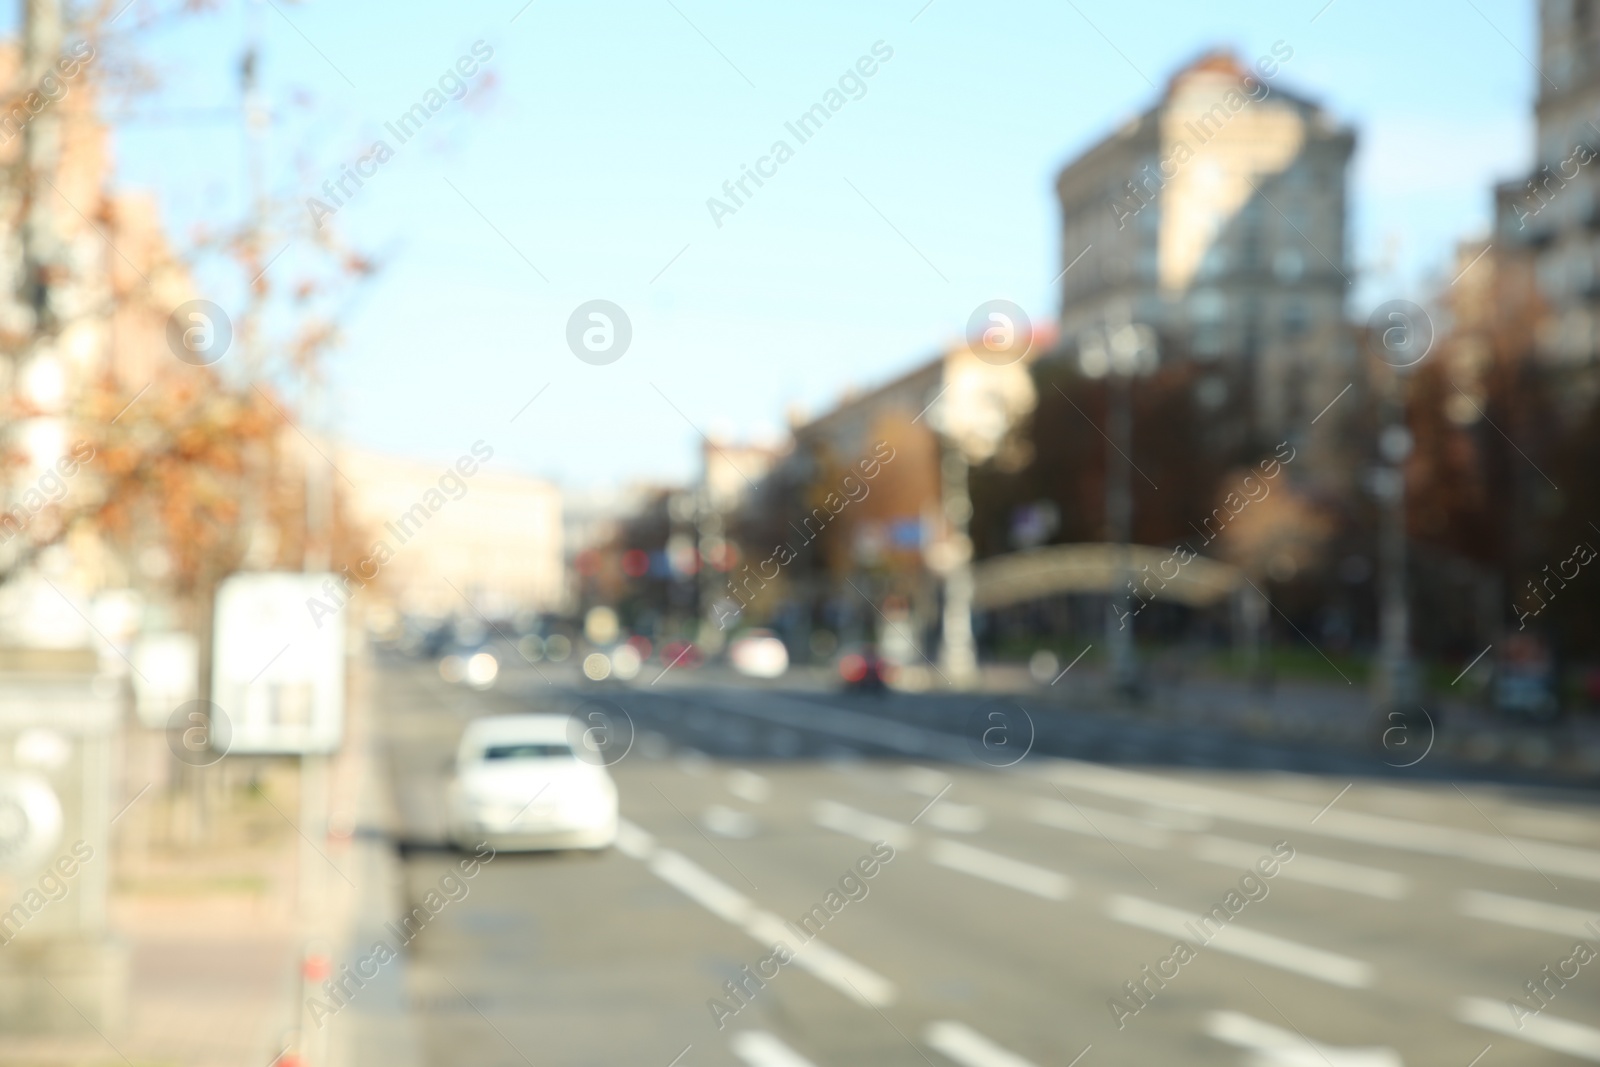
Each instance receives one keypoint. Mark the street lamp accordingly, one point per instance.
(980, 401)
(1119, 353)
(1400, 334)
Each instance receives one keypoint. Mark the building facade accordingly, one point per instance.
(1218, 216)
(458, 530)
(1553, 214)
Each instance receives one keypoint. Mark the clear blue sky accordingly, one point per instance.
(609, 125)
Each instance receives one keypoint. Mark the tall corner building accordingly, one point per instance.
(1218, 217)
(1552, 215)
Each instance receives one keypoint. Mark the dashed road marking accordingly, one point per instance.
(966, 1046)
(760, 1049)
(856, 981)
(957, 818)
(832, 815)
(727, 822)
(1274, 951)
(1318, 870)
(1095, 822)
(1003, 870)
(1546, 1031)
(1272, 1046)
(1528, 914)
(749, 786)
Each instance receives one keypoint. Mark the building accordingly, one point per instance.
(460, 536)
(1553, 214)
(858, 527)
(1218, 216)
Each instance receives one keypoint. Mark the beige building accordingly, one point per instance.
(1218, 217)
(492, 535)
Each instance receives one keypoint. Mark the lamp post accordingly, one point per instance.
(985, 391)
(958, 651)
(1396, 683)
(1119, 353)
(1400, 334)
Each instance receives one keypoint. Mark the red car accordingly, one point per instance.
(863, 670)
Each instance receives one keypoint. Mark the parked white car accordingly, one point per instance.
(520, 786)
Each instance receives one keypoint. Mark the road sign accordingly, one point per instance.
(278, 668)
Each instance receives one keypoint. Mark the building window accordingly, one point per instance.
(1296, 319)
(1288, 264)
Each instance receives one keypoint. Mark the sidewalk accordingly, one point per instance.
(212, 923)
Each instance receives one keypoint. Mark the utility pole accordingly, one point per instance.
(1119, 353)
(1396, 684)
(1119, 525)
(957, 650)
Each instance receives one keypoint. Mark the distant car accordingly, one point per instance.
(681, 655)
(759, 654)
(862, 669)
(520, 786)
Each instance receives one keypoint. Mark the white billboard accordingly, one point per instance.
(277, 676)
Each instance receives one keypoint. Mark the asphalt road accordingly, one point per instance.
(1018, 902)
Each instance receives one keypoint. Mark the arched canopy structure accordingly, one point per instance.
(1157, 573)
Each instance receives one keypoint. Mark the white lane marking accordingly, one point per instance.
(1518, 853)
(1273, 1046)
(633, 841)
(1274, 951)
(832, 815)
(1318, 870)
(1096, 822)
(1173, 816)
(1546, 1031)
(1561, 825)
(957, 818)
(968, 1047)
(760, 1049)
(749, 786)
(693, 762)
(981, 863)
(924, 780)
(700, 886)
(726, 822)
(861, 984)
(1528, 914)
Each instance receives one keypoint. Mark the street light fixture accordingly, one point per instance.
(1119, 353)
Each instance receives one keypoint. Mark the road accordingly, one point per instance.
(1018, 901)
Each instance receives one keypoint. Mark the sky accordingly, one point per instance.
(579, 164)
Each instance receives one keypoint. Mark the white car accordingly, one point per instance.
(759, 654)
(520, 786)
